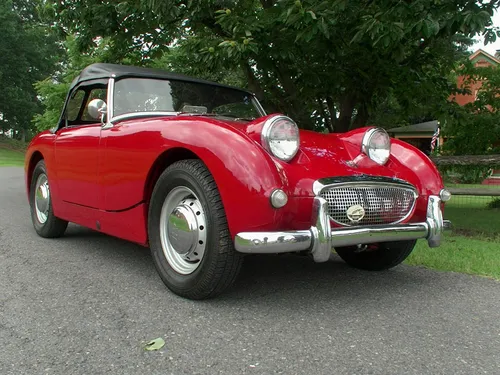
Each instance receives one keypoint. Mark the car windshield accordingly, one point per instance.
(157, 95)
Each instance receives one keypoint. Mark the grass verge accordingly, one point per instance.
(470, 255)
(470, 221)
(473, 246)
(11, 157)
(11, 151)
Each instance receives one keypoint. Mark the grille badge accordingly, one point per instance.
(355, 213)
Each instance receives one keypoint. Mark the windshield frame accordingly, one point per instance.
(130, 115)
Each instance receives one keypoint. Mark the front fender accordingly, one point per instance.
(426, 176)
(244, 173)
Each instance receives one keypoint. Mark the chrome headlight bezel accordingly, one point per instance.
(445, 195)
(372, 152)
(274, 148)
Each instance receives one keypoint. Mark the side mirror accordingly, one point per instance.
(97, 109)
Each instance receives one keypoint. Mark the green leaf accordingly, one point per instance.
(357, 37)
(324, 26)
(425, 29)
(386, 40)
(312, 14)
(155, 344)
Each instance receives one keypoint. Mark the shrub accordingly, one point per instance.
(495, 203)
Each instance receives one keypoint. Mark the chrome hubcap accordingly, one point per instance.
(42, 198)
(183, 230)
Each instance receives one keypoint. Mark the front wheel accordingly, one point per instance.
(376, 257)
(188, 232)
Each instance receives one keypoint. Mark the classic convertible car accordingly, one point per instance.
(202, 175)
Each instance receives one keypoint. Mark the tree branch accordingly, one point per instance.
(331, 109)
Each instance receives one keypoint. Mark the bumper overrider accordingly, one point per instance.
(321, 238)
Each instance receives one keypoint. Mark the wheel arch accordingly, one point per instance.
(35, 157)
(244, 182)
(162, 162)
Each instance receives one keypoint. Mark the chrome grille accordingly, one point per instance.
(382, 203)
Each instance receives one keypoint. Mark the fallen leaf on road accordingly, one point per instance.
(155, 344)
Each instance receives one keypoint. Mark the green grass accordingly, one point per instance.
(474, 221)
(470, 216)
(11, 151)
(468, 201)
(470, 255)
(11, 157)
(472, 247)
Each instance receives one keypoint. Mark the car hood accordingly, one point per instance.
(339, 154)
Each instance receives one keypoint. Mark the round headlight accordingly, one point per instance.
(280, 136)
(377, 145)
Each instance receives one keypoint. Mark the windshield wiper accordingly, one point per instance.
(217, 115)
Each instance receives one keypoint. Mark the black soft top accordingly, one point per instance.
(104, 70)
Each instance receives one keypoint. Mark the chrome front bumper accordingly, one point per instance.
(321, 238)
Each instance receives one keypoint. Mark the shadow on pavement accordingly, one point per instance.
(271, 279)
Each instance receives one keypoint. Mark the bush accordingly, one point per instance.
(495, 203)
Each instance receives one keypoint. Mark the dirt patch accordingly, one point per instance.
(476, 233)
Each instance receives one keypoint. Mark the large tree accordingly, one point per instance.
(329, 64)
(28, 53)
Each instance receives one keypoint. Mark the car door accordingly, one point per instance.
(130, 146)
(77, 149)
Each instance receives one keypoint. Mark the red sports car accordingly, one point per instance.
(201, 174)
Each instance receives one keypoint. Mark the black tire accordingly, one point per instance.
(220, 264)
(52, 227)
(377, 257)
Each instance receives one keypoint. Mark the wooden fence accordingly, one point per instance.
(477, 192)
(492, 161)
(482, 160)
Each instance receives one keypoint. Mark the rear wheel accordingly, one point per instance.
(188, 232)
(44, 221)
(376, 257)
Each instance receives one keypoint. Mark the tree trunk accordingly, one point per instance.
(253, 84)
(346, 110)
(333, 113)
(327, 118)
(361, 117)
(295, 106)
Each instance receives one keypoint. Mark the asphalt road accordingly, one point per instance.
(87, 304)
